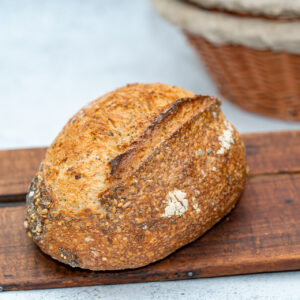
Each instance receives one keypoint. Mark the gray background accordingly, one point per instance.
(55, 56)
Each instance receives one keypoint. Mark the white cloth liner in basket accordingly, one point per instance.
(221, 28)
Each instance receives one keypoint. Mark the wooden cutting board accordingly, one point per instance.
(261, 235)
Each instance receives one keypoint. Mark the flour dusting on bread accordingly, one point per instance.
(195, 205)
(177, 204)
(226, 139)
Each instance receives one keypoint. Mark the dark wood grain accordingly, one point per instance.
(261, 235)
(17, 169)
(276, 152)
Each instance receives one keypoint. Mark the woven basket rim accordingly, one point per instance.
(270, 8)
(244, 14)
(222, 28)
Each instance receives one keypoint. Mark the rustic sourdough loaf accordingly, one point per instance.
(133, 176)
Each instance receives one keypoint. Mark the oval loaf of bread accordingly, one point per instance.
(133, 176)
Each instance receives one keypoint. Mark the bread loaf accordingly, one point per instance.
(133, 176)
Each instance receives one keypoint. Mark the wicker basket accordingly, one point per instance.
(254, 57)
(260, 81)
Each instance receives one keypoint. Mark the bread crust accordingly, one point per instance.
(175, 169)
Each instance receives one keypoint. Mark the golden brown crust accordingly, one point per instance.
(105, 203)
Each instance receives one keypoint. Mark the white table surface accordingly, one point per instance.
(55, 56)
